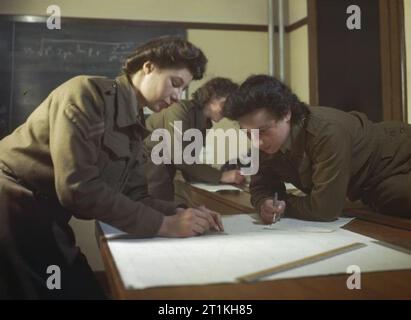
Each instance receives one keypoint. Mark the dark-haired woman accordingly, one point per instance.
(205, 106)
(326, 153)
(81, 153)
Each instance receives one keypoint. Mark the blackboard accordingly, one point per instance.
(35, 60)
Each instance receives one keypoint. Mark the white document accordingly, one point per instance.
(215, 187)
(246, 246)
(245, 223)
(290, 186)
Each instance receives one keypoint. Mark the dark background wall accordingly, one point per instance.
(349, 62)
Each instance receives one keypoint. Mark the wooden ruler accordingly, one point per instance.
(301, 262)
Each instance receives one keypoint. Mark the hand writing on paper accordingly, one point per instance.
(190, 222)
(271, 211)
(216, 217)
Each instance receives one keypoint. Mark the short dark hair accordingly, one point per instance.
(215, 88)
(263, 91)
(168, 52)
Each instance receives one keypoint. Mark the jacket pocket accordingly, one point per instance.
(117, 143)
(114, 160)
(391, 140)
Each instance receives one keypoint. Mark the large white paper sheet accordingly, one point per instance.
(215, 187)
(246, 246)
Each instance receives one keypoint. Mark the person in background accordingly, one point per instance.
(205, 107)
(81, 153)
(326, 153)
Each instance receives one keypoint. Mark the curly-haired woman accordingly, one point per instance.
(81, 153)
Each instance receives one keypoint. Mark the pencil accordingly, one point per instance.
(275, 200)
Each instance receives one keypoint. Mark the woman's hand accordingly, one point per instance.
(190, 222)
(270, 212)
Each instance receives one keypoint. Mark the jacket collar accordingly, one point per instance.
(129, 113)
(198, 118)
(127, 106)
(295, 142)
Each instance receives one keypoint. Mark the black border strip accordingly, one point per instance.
(142, 23)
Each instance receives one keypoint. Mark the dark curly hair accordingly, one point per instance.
(168, 52)
(262, 91)
(215, 88)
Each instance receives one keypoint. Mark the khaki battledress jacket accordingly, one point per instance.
(334, 154)
(83, 146)
(79, 153)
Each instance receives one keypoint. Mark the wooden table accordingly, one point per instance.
(224, 202)
(375, 285)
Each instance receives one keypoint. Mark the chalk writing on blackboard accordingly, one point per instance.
(80, 49)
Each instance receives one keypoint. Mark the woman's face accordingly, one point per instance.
(214, 109)
(159, 88)
(272, 132)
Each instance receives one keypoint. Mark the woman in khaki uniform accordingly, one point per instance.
(81, 153)
(205, 106)
(326, 153)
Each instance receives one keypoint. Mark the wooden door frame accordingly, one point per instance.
(393, 68)
(313, 51)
